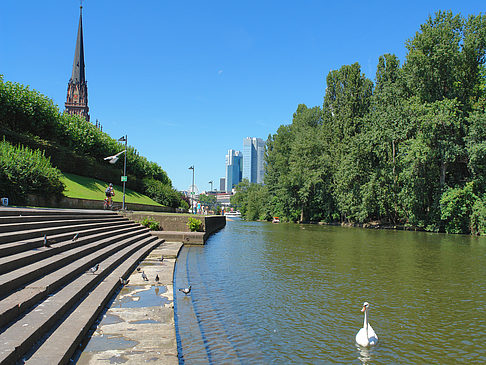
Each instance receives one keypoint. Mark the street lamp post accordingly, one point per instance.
(211, 182)
(124, 139)
(113, 159)
(192, 189)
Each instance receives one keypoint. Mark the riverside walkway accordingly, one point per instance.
(139, 327)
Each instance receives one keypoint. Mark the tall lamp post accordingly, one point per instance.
(124, 178)
(113, 159)
(211, 182)
(192, 189)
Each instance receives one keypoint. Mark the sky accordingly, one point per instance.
(187, 80)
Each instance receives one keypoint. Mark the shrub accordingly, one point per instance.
(151, 224)
(28, 113)
(194, 224)
(162, 193)
(478, 218)
(24, 171)
(456, 206)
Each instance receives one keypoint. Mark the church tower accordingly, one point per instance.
(77, 91)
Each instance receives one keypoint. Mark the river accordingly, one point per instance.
(267, 293)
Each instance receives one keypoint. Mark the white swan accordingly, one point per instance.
(366, 336)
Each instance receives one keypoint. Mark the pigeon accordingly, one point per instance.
(46, 241)
(186, 290)
(144, 277)
(75, 237)
(138, 269)
(157, 278)
(161, 258)
(124, 281)
(114, 158)
(94, 269)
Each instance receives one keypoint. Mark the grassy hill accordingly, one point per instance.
(88, 188)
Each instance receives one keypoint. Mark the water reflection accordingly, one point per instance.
(141, 296)
(266, 293)
(364, 354)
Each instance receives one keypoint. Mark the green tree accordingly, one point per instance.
(446, 57)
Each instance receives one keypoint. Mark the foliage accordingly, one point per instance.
(208, 200)
(456, 208)
(478, 218)
(410, 149)
(24, 171)
(252, 201)
(162, 193)
(150, 223)
(25, 112)
(194, 224)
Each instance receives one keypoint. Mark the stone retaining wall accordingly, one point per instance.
(76, 203)
(178, 223)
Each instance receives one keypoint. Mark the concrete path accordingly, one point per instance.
(139, 326)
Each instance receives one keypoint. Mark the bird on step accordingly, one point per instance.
(46, 241)
(75, 237)
(94, 269)
(138, 269)
(144, 277)
(157, 278)
(186, 290)
(124, 281)
(161, 258)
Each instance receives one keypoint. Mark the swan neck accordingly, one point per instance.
(365, 323)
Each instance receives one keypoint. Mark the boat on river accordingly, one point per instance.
(235, 214)
(276, 220)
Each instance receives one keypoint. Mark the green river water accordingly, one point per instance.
(267, 293)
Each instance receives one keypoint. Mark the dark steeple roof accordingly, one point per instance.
(78, 64)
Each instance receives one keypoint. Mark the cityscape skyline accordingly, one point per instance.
(248, 164)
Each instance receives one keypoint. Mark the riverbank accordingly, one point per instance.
(139, 325)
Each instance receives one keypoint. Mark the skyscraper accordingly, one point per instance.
(77, 92)
(234, 166)
(253, 154)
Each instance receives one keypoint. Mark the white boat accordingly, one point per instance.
(232, 214)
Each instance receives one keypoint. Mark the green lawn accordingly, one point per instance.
(88, 188)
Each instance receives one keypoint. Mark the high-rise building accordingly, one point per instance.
(222, 184)
(77, 92)
(253, 154)
(234, 165)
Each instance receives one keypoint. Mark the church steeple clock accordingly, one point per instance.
(77, 91)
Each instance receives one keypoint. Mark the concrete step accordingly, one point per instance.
(22, 335)
(50, 217)
(19, 235)
(13, 211)
(63, 342)
(15, 261)
(14, 279)
(19, 301)
(15, 247)
(27, 226)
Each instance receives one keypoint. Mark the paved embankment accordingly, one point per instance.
(139, 326)
(58, 270)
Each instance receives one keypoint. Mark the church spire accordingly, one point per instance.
(77, 92)
(78, 64)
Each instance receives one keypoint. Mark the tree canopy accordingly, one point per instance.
(408, 148)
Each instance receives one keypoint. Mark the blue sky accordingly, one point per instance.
(188, 80)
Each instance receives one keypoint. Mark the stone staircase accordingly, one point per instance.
(50, 295)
